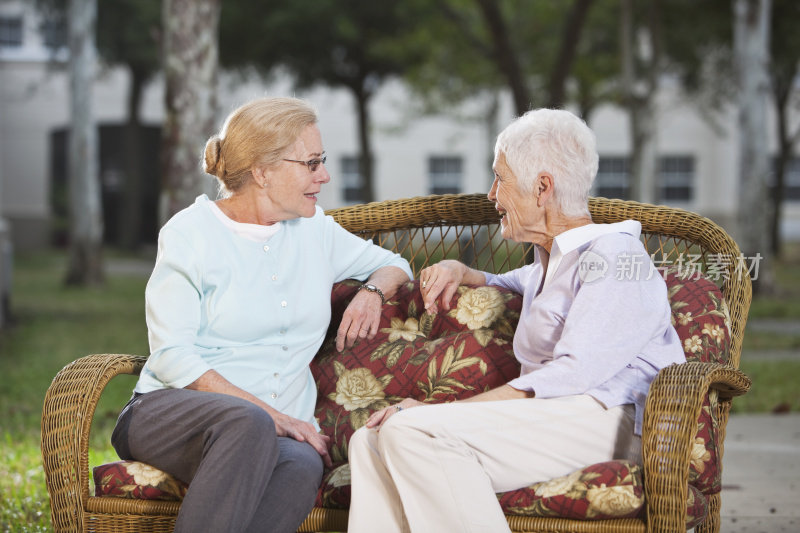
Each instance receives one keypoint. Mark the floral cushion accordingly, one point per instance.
(605, 490)
(132, 479)
(696, 508)
(433, 358)
(700, 317)
(702, 321)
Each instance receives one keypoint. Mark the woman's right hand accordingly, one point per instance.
(287, 426)
(378, 418)
(443, 279)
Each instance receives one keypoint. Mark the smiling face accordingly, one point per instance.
(291, 188)
(521, 216)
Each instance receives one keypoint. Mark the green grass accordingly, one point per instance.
(784, 302)
(774, 387)
(53, 325)
(774, 380)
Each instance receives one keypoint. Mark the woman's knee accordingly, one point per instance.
(362, 441)
(396, 434)
(247, 427)
(303, 461)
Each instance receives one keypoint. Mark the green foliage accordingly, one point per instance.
(596, 70)
(462, 60)
(698, 37)
(128, 33)
(785, 44)
(348, 43)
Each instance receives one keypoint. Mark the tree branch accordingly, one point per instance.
(504, 54)
(570, 36)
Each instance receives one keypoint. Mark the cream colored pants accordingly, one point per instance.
(437, 468)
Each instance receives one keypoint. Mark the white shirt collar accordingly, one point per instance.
(251, 232)
(574, 238)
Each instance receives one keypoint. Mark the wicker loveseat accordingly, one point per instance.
(449, 356)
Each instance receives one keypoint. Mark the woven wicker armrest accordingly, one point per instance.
(670, 425)
(67, 414)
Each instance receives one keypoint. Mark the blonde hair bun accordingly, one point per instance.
(212, 162)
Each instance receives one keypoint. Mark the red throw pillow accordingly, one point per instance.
(702, 321)
(432, 358)
(132, 479)
(700, 317)
(613, 489)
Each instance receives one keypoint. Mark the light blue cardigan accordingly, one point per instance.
(256, 312)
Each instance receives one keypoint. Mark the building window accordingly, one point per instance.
(791, 179)
(445, 174)
(675, 178)
(54, 32)
(11, 31)
(350, 175)
(614, 178)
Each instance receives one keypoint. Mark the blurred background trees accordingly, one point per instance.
(574, 53)
(349, 44)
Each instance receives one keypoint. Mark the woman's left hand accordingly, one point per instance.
(378, 418)
(360, 320)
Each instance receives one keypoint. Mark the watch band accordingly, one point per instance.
(372, 288)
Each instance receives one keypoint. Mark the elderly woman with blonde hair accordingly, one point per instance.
(589, 343)
(237, 306)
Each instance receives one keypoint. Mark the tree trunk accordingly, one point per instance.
(130, 215)
(504, 55)
(190, 68)
(638, 93)
(365, 160)
(751, 39)
(779, 175)
(570, 37)
(86, 221)
(782, 88)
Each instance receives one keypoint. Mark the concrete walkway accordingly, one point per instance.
(761, 476)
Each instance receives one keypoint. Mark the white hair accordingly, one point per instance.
(559, 143)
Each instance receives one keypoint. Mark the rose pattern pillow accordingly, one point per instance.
(613, 489)
(696, 508)
(702, 320)
(132, 479)
(432, 358)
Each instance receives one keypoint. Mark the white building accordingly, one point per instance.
(414, 155)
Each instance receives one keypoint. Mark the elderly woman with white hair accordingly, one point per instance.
(590, 340)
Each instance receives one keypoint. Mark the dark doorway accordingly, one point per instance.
(112, 176)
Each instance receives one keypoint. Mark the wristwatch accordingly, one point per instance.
(372, 288)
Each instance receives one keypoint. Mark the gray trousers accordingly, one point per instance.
(241, 475)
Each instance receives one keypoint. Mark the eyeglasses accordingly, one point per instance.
(312, 164)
